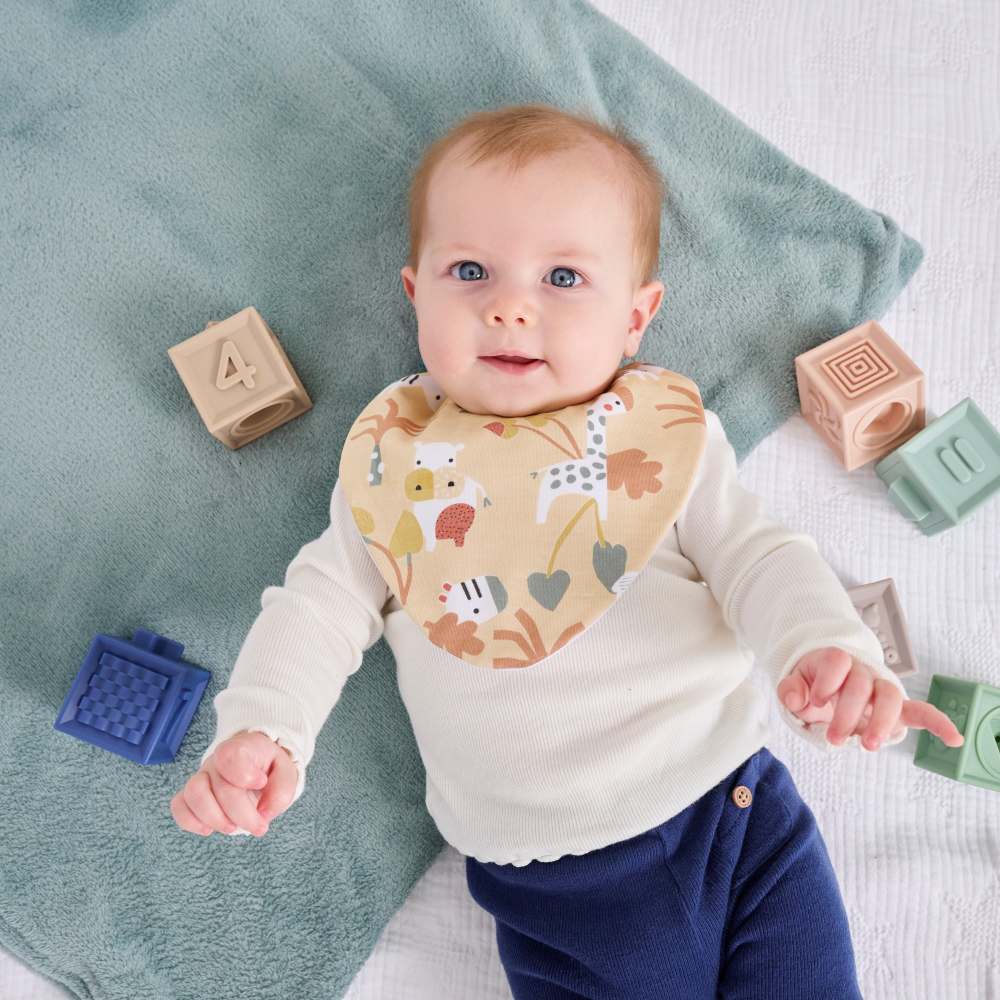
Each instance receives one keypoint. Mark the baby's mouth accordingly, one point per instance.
(512, 364)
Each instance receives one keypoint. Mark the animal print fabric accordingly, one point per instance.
(506, 537)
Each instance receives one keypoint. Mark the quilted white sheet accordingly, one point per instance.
(896, 104)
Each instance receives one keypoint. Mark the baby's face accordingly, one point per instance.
(538, 263)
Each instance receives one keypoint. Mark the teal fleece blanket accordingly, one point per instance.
(166, 163)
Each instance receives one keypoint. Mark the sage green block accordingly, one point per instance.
(975, 710)
(941, 475)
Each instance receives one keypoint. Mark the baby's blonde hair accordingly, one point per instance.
(520, 133)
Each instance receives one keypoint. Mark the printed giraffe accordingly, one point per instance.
(587, 476)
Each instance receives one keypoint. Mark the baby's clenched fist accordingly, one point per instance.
(246, 782)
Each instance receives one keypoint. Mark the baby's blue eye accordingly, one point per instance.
(470, 269)
(566, 271)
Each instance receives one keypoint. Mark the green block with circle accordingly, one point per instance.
(975, 710)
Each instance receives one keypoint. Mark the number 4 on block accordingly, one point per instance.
(239, 378)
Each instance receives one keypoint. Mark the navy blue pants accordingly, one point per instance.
(722, 900)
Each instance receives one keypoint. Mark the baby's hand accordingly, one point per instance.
(830, 684)
(247, 781)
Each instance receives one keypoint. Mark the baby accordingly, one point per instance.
(620, 816)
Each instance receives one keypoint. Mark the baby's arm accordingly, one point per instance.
(309, 637)
(776, 591)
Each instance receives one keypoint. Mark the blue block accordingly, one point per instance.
(941, 475)
(134, 698)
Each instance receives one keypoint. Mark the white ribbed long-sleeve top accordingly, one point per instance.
(622, 728)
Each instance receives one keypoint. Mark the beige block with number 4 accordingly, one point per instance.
(239, 378)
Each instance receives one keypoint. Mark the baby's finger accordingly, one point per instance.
(884, 713)
(280, 789)
(186, 819)
(793, 691)
(236, 763)
(851, 703)
(828, 668)
(239, 805)
(197, 805)
(923, 715)
(198, 795)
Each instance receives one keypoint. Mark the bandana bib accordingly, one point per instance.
(506, 537)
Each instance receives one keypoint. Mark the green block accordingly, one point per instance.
(975, 710)
(941, 475)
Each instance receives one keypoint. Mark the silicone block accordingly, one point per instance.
(239, 378)
(878, 605)
(975, 710)
(940, 476)
(861, 393)
(134, 698)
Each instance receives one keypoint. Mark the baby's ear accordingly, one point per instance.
(409, 281)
